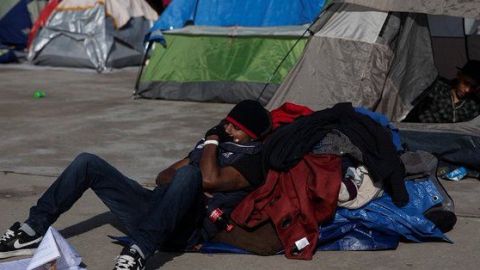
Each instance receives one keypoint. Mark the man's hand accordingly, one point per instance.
(219, 131)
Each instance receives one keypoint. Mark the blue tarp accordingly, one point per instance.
(250, 13)
(383, 120)
(15, 25)
(380, 224)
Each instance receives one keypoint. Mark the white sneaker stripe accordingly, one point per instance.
(19, 245)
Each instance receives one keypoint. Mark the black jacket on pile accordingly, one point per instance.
(289, 143)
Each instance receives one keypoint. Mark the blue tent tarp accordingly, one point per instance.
(246, 13)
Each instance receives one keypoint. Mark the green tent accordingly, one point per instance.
(225, 64)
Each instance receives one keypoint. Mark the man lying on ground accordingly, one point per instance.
(170, 214)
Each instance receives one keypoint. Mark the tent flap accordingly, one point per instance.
(63, 33)
(412, 70)
(94, 37)
(337, 69)
(229, 92)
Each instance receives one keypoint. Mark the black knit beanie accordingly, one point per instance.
(251, 118)
(472, 70)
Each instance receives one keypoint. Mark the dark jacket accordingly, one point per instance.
(436, 105)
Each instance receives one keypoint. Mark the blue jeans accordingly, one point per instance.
(152, 218)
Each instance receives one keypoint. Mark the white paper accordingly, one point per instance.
(15, 265)
(69, 257)
(53, 247)
(46, 252)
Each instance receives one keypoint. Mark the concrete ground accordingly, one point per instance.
(88, 112)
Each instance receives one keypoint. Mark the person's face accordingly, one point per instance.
(238, 135)
(465, 86)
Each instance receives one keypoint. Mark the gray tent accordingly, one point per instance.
(378, 58)
(381, 54)
(93, 34)
(455, 143)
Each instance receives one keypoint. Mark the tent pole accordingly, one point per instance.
(195, 12)
(280, 64)
(287, 54)
(140, 71)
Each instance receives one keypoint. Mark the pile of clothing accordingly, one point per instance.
(338, 179)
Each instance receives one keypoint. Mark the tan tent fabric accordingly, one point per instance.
(123, 10)
(120, 10)
(331, 71)
(460, 8)
(339, 68)
(412, 70)
(345, 66)
(364, 24)
(471, 128)
(78, 4)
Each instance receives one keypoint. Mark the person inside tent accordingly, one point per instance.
(171, 215)
(450, 101)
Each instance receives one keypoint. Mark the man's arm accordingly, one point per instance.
(216, 178)
(166, 175)
(427, 116)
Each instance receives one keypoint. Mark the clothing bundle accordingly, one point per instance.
(321, 160)
(289, 144)
(282, 214)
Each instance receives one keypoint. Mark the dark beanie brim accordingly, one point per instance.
(472, 70)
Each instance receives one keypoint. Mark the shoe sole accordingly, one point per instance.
(20, 252)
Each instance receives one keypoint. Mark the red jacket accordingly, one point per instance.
(296, 201)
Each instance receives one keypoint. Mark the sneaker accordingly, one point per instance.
(16, 242)
(129, 259)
